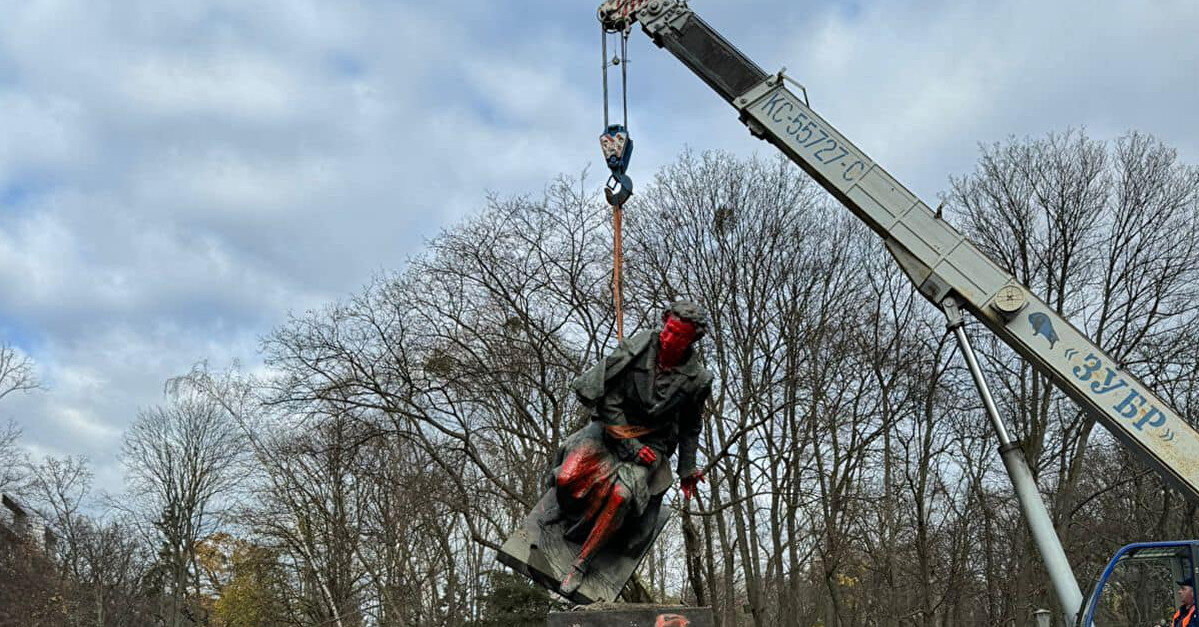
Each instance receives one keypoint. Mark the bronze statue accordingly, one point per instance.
(645, 401)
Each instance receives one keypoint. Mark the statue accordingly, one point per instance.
(605, 489)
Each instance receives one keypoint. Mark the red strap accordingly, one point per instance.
(625, 432)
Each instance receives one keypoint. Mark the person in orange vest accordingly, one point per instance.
(1185, 615)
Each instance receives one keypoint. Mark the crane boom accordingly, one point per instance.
(940, 261)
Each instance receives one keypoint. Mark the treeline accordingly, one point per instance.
(368, 473)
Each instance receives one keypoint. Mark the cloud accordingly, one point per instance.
(919, 85)
(176, 175)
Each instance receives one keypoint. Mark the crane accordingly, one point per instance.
(955, 275)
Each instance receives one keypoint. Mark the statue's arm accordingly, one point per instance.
(691, 424)
(611, 405)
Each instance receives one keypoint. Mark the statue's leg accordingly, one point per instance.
(579, 471)
(581, 485)
(571, 481)
(607, 523)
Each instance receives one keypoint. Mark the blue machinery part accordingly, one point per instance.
(1182, 553)
(617, 147)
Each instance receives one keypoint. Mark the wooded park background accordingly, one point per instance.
(367, 473)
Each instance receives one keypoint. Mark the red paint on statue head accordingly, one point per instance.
(677, 334)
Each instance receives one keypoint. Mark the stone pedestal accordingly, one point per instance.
(629, 615)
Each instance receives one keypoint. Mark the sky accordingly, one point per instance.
(178, 176)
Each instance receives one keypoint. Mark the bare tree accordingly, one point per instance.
(101, 563)
(13, 463)
(59, 488)
(16, 375)
(16, 371)
(182, 461)
(115, 561)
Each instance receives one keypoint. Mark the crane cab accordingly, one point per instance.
(1140, 585)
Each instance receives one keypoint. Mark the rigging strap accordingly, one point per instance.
(615, 143)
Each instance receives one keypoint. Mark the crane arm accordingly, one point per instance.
(940, 261)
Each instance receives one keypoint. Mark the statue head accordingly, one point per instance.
(682, 324)
(690, 312)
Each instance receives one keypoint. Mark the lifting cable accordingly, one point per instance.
(615, 143)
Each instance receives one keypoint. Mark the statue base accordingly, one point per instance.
(541, 553)
(621, 615)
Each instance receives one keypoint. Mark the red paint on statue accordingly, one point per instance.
(671, 620)
(586, 476)
(606, 523)
(580, 471)
(677, 334)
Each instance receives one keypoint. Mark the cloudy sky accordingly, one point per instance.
(178, 175)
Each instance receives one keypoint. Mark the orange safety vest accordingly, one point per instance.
(1185, 619)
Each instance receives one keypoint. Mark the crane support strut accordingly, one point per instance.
(1040, 525)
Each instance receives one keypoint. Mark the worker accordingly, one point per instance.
(645, 401)
(1185, 615)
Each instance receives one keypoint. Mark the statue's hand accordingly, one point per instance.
(646, 456)
(690, 483)
(628, 449)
